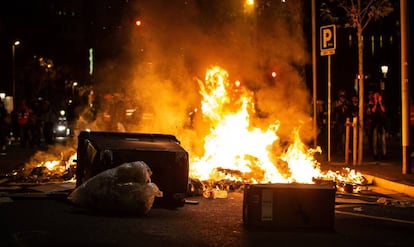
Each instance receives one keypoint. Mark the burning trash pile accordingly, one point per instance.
(58, 164)
(345, 180)
(237, 153)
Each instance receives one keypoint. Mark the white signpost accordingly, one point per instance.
(328, 46)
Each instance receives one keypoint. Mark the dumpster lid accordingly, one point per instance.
(128, 141)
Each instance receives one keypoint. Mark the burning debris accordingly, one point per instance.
(346, 179)
(57, 164)
(236, 151)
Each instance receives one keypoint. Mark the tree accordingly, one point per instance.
(357, 14)
(43, 78)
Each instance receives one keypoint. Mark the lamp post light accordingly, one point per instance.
(74, 84)
(384, 70)
(16, 43)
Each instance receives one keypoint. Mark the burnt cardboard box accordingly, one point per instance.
(168, 161)
(289, 206)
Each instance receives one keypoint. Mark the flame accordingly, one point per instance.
(52, 165)
(301, 161)
(234, 149)
(59, 166)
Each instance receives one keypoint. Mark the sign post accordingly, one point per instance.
(328, 46)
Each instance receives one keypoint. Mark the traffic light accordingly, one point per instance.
(138, 22)
(271, 76)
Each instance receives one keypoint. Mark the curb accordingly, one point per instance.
(386, 184)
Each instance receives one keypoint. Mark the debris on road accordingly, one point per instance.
(125, 189)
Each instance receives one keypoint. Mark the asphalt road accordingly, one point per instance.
(359, 220)
(28, 217)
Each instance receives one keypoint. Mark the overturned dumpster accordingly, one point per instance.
(99, 151)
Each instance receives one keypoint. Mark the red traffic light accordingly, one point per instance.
(138, 23)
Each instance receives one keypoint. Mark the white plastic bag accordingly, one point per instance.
(124, 189)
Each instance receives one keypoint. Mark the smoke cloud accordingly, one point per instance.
(179, 40)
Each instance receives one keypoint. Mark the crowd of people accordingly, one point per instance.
(376, 122)
(29, 124)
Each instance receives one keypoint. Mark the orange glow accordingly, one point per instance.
(250, 2)
(234, 149)
(59, 167)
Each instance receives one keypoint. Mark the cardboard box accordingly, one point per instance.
(289, 206)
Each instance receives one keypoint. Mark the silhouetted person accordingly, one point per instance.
(3, 126)
(24, 121)
(341, 111)
(377, 114)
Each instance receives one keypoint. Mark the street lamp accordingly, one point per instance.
(74, 84)
(16, 43)
(384, 70)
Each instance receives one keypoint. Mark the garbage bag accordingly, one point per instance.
(125, 189)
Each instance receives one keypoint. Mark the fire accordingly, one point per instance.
(59, 166)
(234, 149)
(50, 166)
(302, 164)
(53, 165)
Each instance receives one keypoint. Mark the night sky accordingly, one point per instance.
(36, 25)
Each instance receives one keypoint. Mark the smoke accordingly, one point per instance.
(179, 40)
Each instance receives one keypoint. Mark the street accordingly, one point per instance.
(361, 219)
(41, 215)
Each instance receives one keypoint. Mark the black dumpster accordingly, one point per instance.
(98, 151)
(289, 207)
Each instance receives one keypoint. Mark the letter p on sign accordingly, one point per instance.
(328, 40)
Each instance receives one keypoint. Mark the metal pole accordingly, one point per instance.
(13, 73)
(406, 166)
(315, 122)
(347, 126)
(355, 140)
(329, 108)
(15, 43)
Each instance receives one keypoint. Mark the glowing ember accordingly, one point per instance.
(52, 165)
(234, 149)
(59, 166)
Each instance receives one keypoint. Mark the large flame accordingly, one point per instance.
(234, 149)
